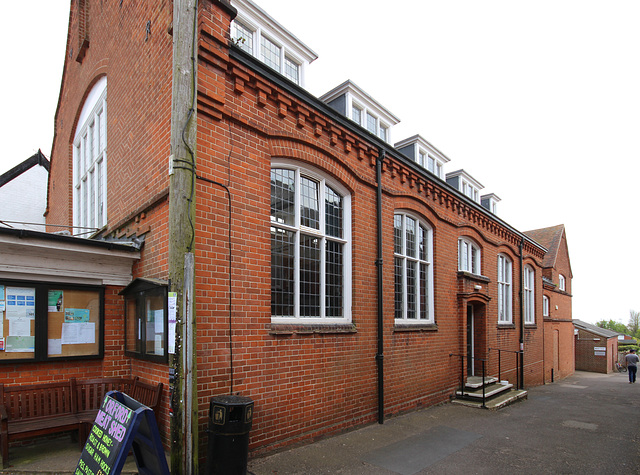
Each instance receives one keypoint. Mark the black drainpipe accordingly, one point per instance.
(380, 353)
(521, 382)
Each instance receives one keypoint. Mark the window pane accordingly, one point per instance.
(283, 196)
(333, 213)
(243, 36)
(410, 232)
(399, 285)
(397, 234)
(154, 328)
(371, 123)
(282, 272)
(423, 244)
(334, 280)
(309, 212)
(383, 133)
(270, 53)
(309, 276)
(356, 115)
(411, 290)
(291, 70)
(424, 292)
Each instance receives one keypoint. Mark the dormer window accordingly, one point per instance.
(465, 184)
(255, 32)
(352, 102)
(423, 153)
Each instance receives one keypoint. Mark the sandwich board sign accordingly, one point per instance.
(122, 424)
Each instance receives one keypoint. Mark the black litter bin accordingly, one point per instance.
(230, 420)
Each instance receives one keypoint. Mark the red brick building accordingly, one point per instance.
(289, 309)
(596, 348)
(556, 302)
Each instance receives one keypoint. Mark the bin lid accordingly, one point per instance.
(231, 400)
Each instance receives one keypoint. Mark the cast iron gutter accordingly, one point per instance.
(380, 353)
(521, 249)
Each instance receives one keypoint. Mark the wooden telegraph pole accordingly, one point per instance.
(182, 207)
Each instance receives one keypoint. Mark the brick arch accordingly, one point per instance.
(318, 158)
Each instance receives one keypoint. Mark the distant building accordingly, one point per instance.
(596, 348)
(23, 194)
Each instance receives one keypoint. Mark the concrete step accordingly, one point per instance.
(489, 390)
(476, 381)
(496, 402)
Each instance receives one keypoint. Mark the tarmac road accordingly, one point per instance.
(586, 424)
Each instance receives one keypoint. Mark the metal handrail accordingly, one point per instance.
(462, 357)
(518, 354)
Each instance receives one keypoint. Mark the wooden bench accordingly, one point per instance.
(39, 409)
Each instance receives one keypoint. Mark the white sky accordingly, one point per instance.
(537, 100)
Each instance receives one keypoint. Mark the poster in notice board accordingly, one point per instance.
(122, 424)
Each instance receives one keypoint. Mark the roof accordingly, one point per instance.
(37, 158)
(549, 238)
(595, 329)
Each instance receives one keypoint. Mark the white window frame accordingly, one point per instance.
(90, 163)
(545, 306)
(562, 282)
(298, 229)
(406, 259)
(355, 106)
(469, 256)
(505, 289)
(528, 278)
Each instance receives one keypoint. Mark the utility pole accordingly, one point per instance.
(182, 212)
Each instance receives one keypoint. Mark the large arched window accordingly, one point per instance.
(90, 163)
(505, 291)
(310, 247)
(468, 256)
(413, 270)
(529, 295)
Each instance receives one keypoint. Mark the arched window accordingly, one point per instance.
(413, 270)
(505, 292)
(90, 162)
(310, 247)
(561, 282)
(529, 295)
(468, 256)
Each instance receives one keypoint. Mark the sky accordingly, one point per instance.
(537, 100)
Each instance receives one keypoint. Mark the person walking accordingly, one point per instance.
(632, 365)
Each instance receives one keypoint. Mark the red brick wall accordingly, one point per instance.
(304, 383)
(586, 360)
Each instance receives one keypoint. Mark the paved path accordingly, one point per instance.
(586, 424)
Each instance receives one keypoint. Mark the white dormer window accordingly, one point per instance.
(465, 184)
(423, 153)
(352, 102)
(255, 32)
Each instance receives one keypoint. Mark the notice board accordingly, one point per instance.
(122, 424)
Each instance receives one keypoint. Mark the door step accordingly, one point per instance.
(497, 401)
